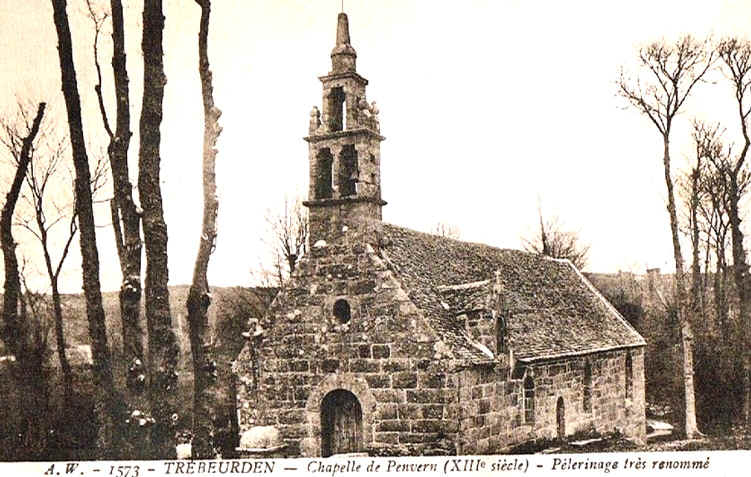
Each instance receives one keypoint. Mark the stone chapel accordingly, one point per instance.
(389, 341)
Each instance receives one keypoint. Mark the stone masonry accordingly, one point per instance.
(387, 341)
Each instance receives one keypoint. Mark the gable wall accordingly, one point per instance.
(385, 356)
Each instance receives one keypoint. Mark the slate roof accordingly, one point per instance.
(553, 309)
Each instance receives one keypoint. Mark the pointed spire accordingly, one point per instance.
(342, 30)
(343, 55)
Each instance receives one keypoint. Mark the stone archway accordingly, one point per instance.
(311, 445)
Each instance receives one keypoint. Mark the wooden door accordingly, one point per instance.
(341, 423)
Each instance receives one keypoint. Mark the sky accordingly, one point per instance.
(489, 109)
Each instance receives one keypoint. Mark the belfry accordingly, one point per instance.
(344, 146)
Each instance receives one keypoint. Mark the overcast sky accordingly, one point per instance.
(488, 107)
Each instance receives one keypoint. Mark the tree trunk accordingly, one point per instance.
(31, 386)
(163, 345)
(60, 341)
(206, 391)
(105, 400)
(56, 303)
(12, 328)
(697, 302)
(127, 225)
(740, 276)
(691, 428)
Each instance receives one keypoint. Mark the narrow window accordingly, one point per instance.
(336, 109)
(587, 386)
(348, 173)
(323, 174)
(529, 400)
(500, 334)
(342, 311)
(629, 377)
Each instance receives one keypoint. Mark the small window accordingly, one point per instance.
(629, 377)
(587, 386)
(500, 334)
(529, 400)
(342, 311)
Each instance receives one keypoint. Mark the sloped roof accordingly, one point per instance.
(553, 309)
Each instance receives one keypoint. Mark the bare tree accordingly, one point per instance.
(206, 392)
(442, 229)
(106, 408)
(126, 218)
(668, 74)
(162, 342)
(14, 328)
(554, 241)
(714, 222)
(288, 231)
(44, 175)
(736, 59)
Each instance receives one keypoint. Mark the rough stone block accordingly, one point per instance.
(330, 365)
(426, 426)
(364, 366)
(432, 381)
(433, 411)
(387, 437)
(395, 365)
(387, 411)
(363, 287)
(413, 438)
(376, 381)
(381, 351)
(392, 425)
(404, 380)
(300, 365)
(409, 411)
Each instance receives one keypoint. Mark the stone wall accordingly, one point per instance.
(384, 354)
(490, 410)
(610, 409)
(413, 398)
(491, 405)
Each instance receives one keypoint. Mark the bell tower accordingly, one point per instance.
(344, 144)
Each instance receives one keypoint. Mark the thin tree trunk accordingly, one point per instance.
(127, 226)
(697, 302)
(12, 332)
(105, 400)
(691, 428)
(56, 302)
(163, 345)
(206, 391)
(60, 341)
(31, 387)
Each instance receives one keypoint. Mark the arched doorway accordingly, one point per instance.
(560, 418)
(341, 423)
